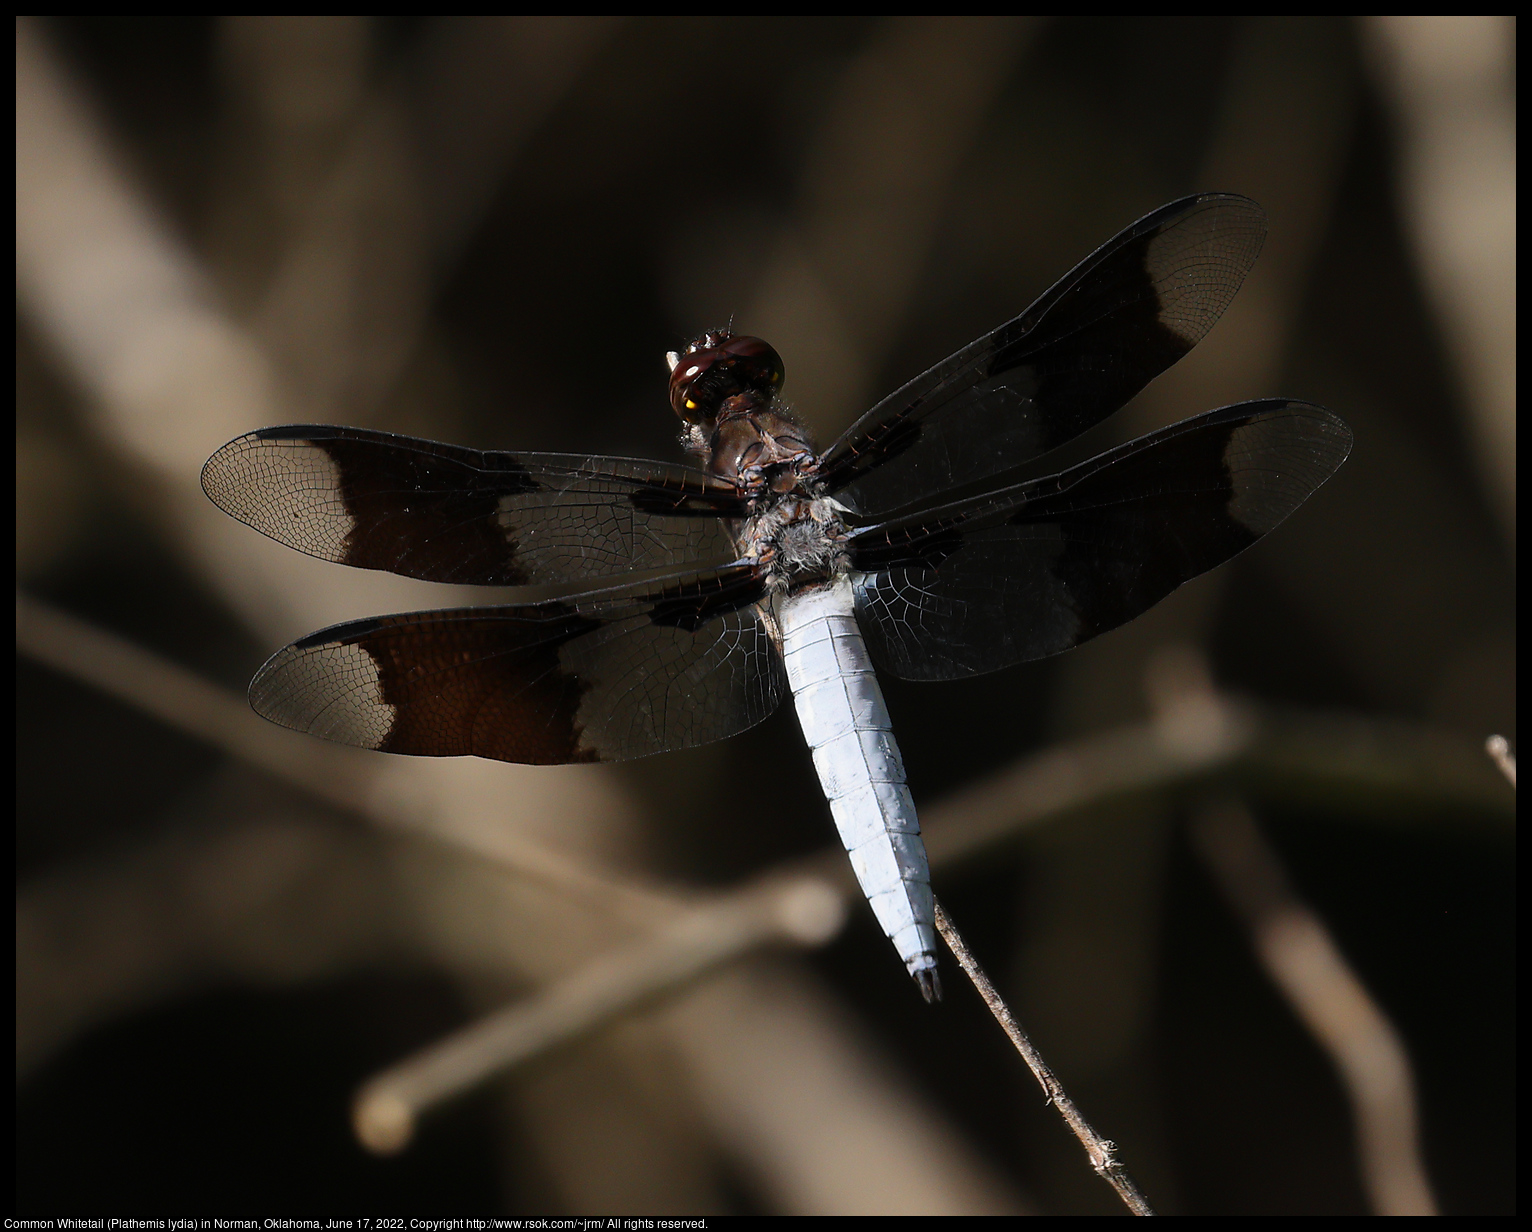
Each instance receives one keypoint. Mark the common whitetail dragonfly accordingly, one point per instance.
(915, 543)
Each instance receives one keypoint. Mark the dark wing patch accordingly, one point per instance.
(448, 514)
(1031, 570)
(1097, 337)
(604, 676)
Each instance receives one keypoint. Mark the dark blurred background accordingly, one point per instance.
(490, 231)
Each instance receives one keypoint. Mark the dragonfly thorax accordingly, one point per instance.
(760, 450)
(799, 540)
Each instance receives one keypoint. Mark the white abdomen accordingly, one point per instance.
(846, 725)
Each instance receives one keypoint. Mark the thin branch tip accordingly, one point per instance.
(1100, 1151)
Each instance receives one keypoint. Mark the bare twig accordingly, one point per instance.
(1102, 1152)
(1499, 749)
(1302, 959)
(801, 911)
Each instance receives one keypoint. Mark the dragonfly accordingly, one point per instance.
(689, 601)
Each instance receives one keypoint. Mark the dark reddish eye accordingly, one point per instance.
(718, 366)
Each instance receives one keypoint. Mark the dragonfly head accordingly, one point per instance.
(722, 374)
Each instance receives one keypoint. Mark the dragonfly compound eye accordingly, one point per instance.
(720, 365)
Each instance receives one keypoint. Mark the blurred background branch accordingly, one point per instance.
(1305, 964)
(1451, 85)
(489, 230)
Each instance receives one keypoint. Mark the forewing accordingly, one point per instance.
(1103, 332)
(1035, 569)
(603, 676)
(448, 514)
